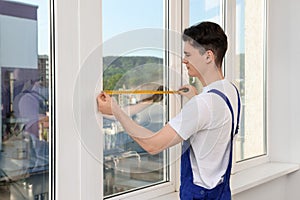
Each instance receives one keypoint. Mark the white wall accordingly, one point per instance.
(291, 138)
(274, 190)
(284, 95)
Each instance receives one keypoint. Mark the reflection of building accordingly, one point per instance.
(23, 157)
(18, 41)
(43, 66)
(18, 47)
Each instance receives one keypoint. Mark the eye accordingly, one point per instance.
(186, 54)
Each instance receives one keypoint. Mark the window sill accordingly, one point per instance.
(249, 178)
(252, 177)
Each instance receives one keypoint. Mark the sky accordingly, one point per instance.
(201, 10)
(120, 16)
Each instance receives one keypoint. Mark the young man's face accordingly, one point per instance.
(194, 61)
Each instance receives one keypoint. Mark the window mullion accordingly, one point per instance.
(229, 18)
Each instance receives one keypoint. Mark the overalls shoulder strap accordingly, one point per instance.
(233, 132)
(224, 97)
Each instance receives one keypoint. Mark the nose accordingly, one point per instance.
(184, 61)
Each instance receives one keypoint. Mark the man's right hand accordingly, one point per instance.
(155, 97)
(188, 91)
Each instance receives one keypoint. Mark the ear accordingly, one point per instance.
(210, 56)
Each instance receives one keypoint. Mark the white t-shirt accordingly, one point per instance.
(206, 120)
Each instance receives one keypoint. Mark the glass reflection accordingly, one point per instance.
(204, 10)
(24, 138)
(126, 165)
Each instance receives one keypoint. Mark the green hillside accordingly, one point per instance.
(131, 71)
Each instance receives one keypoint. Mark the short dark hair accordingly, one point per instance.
(210, 36)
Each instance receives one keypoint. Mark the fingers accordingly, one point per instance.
(104, 103)
(160, 88)
(103, 97)
(184, 89)
(100, 100)
(158, 97)
(188, 91)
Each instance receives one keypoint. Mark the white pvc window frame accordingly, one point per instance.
(228, 18)
(79, 170)
(229, 24)
(77, 34)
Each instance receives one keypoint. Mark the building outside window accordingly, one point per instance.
(250, 75)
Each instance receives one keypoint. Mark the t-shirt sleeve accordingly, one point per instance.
(194, 116)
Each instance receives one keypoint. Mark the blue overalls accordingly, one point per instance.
(190, 191)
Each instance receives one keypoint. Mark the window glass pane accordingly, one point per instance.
(250, 51)
(126, 165)
(204, 10)
(24, 68)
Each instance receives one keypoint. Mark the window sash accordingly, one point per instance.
(230, 60)
(173, 23)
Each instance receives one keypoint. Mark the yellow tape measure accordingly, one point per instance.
(113, 92)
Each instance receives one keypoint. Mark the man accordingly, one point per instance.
(206, 122)
(31, 106)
